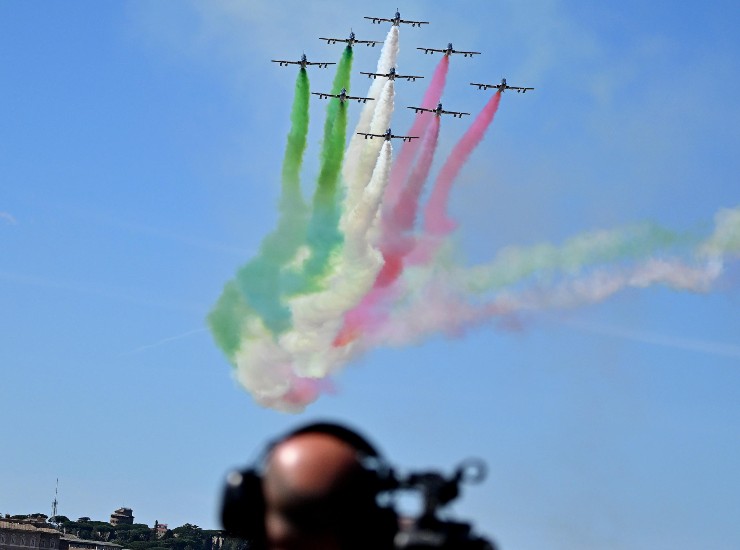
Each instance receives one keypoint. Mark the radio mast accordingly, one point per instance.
(54, 504)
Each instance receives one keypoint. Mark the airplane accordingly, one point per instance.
(342, 96)
(351, 41)
(303, 63)
(449, 50)
(396, 21)
(388, 136)
(501, 87)
(439, 111)
(393, 75)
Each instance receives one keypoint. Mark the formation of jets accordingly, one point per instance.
(393, 75)
(303, 62)
(351, 41)
(503, 86)
(449, 50)
(342, 96)
(396, 21)
(438, 111)
(387, 136)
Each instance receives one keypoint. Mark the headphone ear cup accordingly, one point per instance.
(243, 508)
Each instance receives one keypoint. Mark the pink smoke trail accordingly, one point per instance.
(395, 242)
(436, 221)
(401, 167)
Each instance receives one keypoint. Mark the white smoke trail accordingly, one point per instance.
(366, 157)
(388, 57)
(440, 307)
(437, 296)
(318, 317)
(272, 370)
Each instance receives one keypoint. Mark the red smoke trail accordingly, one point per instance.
(436, 221)
(401, 167)
(396, 243)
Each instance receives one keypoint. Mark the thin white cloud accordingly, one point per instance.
(118, 294)
(8, 218)
(700, 346)
(167, 340)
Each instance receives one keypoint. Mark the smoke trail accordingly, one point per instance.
(296, 146)
(652, 255)
(318, 317)
(401, 167)
(395, 244)
(366, 156)
(436, 221)
(355, 177)
(256, 289)
(289, 373)
(438, 297)
(323, 235)
(512, 265)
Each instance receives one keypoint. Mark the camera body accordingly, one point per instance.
(428, 530)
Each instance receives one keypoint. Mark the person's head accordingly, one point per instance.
(315, 491)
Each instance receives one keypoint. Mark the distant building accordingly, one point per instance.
(160, 529)
(122, 516)
(70, 542)
(28, 534)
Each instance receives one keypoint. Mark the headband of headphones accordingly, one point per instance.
(243, 507)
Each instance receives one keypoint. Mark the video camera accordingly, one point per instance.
(428, 529)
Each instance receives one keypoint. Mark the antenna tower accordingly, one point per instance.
(55, 502)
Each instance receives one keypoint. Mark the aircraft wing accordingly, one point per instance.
(408, 77)
(368, 42)
(371, 136)
(323, 95)
(334, 40)
(456, 114)
(359, 99)
(466, 54)
(404, 138)
(321, 65)
(482, 86)
(414, 23)
(379, 19)
(430, 50)
(419, 109)
(284, 62)
(519, 89)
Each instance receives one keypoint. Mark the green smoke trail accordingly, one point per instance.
(516, 264)
(323, 235)
(256, 288)
(296, 140)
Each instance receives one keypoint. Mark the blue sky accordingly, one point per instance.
(140, 149)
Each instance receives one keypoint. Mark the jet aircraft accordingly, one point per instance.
(449, 50)
(392, 75)
(388, 136)
(396, 21)
(303, 63)
(342, 96)
(501, 87)
(351, 41)
(439, 111)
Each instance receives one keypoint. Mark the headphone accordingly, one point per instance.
(243, 508)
